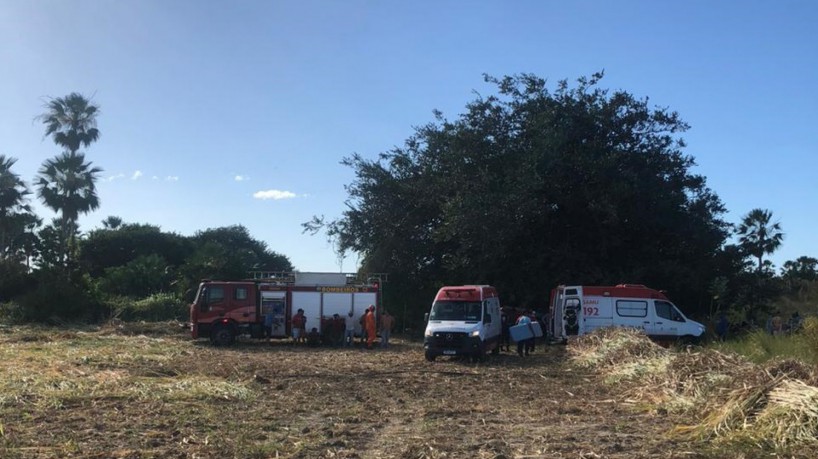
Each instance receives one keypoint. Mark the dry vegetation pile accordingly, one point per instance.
(724, 397)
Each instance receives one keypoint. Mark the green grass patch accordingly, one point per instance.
(760, 347)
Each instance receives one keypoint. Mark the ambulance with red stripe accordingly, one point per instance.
(464, 320)
(577, 310)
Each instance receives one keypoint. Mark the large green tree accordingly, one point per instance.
(67, 185)
(15, 212)
(530, 188)
(759, 235)
(106, 248)
(71, 121)
(227, 253)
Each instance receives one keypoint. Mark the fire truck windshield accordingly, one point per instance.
(457, 310)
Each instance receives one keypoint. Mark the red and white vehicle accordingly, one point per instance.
(464, 320)
(577, 310)
(263, 308)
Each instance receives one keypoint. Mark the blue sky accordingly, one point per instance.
(212, 110)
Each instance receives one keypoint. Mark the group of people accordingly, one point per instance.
(367, 322)
(508, 319)
(775, 325)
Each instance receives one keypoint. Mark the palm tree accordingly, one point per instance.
(13, 197)
(759, 237)
(112, 222)
(71, 121)
(67, 185)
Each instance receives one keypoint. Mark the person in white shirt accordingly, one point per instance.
(349, 329)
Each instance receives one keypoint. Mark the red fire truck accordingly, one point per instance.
(263, 307)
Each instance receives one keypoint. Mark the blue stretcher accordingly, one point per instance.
(525, 331)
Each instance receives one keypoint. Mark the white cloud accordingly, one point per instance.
(155, 178)
(172, 178)
(136, 175)
(274, 194)
(115, 177)
(241, 178)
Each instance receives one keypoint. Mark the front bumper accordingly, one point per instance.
(452, 343)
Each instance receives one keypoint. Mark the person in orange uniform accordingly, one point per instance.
(369, 325)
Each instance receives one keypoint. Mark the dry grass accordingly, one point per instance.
(739, 404)
(147, 391)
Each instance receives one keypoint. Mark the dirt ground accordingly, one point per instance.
(133, 393)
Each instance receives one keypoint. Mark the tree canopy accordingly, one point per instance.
(71, 121)
(530, 188)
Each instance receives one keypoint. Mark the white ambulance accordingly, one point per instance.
(464, 320)
(577, 310)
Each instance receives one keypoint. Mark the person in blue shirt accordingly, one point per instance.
(524, 346)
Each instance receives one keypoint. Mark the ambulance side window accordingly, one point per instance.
(630, 308)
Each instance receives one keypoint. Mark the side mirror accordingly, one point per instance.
(426, 317)
(487, 319)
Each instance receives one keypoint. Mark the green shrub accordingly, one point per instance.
(10, 312)
(157, 307)
(145, 275)
(809, 330)
(14, 280)
(58, 298)
(761, 347)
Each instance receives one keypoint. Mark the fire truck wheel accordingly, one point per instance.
(430, 357)
(222, 336)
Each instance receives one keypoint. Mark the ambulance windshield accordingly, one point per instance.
(457, 310)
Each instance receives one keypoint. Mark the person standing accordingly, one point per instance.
(362, 323)
(299, 322)
(795, 322)
(523, 345)
(505, 325)
(369, 326)
(722, 327)
(777, 324)
(532, 342)
(387, 323)
(349, 329)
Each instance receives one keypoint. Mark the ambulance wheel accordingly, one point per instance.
(496, 350)
(222, 336)
(688, 340)
(480, 356)
(430, 357)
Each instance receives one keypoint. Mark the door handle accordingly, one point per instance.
(646, 322)
(659, 323)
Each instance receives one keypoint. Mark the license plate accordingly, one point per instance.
(449, 352)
